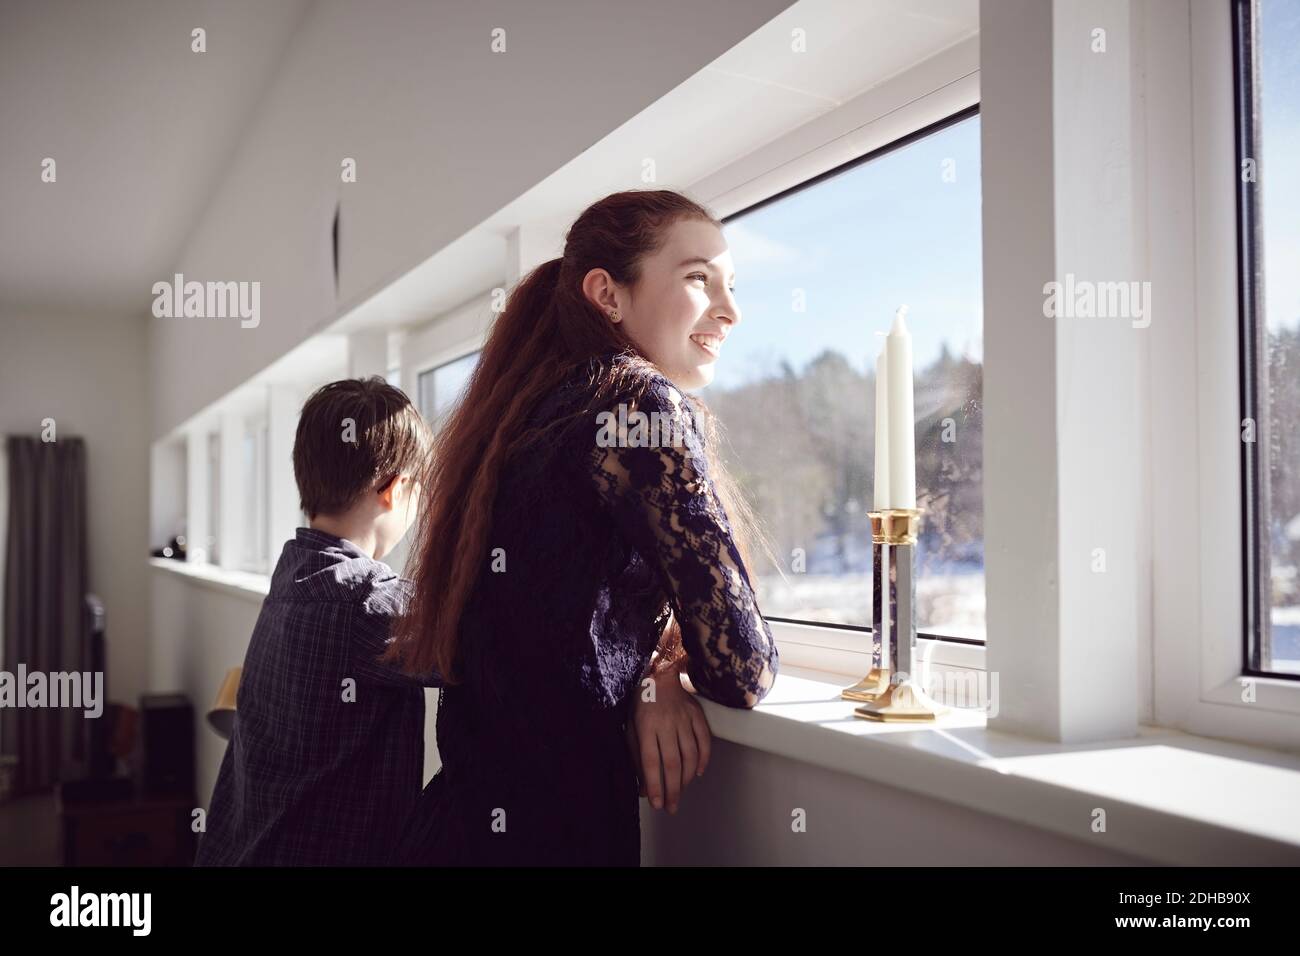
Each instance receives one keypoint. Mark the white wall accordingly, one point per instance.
(168, 477)
(740, 814)
(90, 374)
(444, 133)
(204, 632)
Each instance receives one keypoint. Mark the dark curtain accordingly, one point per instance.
(45, 589)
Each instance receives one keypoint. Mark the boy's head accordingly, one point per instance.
(358, 456)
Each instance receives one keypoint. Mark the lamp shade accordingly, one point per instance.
(222, 715)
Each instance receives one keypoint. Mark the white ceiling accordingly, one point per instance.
(140, 128)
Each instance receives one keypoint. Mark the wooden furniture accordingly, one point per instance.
(112, 824)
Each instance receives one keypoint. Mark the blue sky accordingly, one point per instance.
(1279, 162)
(886, 232)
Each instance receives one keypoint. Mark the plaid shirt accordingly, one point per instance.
(327, 754)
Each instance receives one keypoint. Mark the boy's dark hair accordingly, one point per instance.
(355, 436)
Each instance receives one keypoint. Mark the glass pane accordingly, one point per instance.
(424, 394)
(213, 555)
(263, 496)
(439, 388)
(251, 518)
(819, 275)
(1279, 211)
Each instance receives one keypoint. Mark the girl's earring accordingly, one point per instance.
(613, 316)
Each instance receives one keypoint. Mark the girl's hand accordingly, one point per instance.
(668, 737)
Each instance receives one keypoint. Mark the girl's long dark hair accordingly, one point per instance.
(547, 330)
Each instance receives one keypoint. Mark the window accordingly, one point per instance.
(255, 481)
(212, 554)
(1267, 43)
(438, 388)
(820, 271)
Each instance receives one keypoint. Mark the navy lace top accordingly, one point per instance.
(593, 541)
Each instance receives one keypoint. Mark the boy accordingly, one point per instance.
(326, 759)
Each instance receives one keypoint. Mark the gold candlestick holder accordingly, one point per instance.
(890, 691)
(871, 686)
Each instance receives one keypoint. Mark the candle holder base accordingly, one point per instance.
(870, 687)
(903, 701)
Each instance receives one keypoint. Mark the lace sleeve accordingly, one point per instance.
(649, 469)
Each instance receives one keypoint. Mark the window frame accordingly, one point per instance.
(1199, 547)
(211, 550)
(440, 360)
(256, 555)
(1256, 555)
(935, 94)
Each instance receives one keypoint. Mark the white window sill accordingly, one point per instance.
(244, 584)
(1169, 797)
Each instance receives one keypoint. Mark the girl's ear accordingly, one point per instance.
(386, 493)
(414, 488)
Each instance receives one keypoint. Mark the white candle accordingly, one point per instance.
(881, 498)
(901, 425)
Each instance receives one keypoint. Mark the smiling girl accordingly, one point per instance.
(564, 583)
